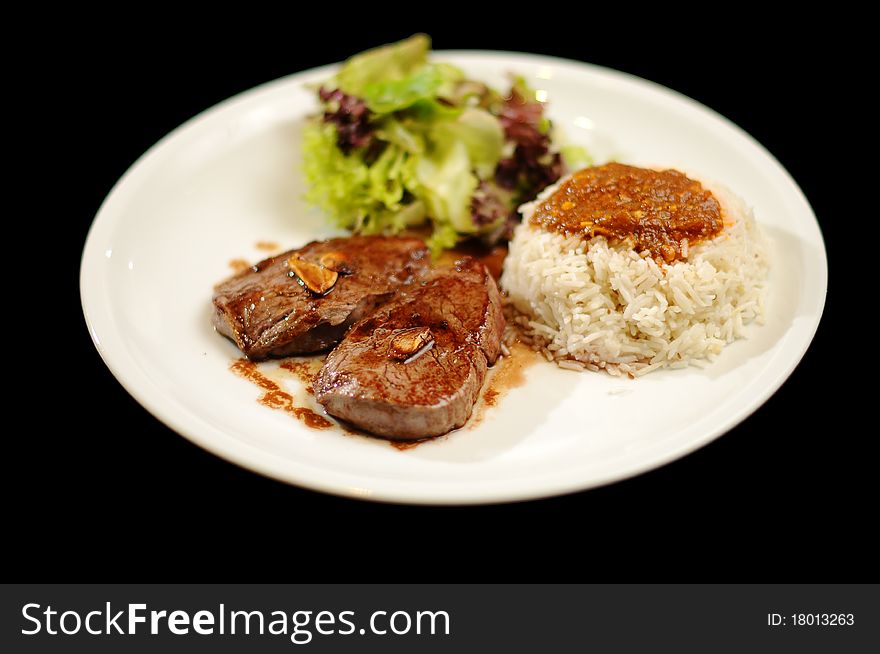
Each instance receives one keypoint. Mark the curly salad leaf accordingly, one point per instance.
(403, 140)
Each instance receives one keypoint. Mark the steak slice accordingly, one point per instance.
(268, 312)
(415, 368)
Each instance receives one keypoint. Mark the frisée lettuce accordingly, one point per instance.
(402, 140)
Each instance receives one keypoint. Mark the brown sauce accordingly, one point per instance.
(408, 445)
(275, 398)
(512, 372)
(239, 264)
(351, 430)
(658, 211)
(267, 246)
(490, 397)
(304, 370)
(508, 373)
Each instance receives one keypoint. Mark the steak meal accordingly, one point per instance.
(412, 343)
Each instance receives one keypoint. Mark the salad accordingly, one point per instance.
(403, 141)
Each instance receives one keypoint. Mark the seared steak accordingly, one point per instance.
(304, 300)
(415, 367)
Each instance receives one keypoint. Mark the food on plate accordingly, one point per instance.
(402, 141)
(633, 269)
(415, 341)
(414, 368)
(614, 267)
(304, 300)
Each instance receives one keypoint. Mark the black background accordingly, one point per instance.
(102, 489)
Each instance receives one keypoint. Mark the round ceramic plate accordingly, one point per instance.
(227, 179)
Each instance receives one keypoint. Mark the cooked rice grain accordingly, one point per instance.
(609, 307)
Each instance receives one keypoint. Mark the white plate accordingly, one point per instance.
(228, 178)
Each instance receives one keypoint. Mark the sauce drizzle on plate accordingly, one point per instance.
(274, 397)
(506, 374)
(304, 370)
(238, 265)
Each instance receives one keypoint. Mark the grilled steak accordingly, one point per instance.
(415, 367)
(304, 300)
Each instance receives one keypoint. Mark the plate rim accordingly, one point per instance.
(395, 491)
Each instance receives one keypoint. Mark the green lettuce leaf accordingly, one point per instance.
(371, 198)
(442, 238)
(481, 134)
(336, 183)
(389, 63)
(394, 131)
(446, 184)
(387, 96)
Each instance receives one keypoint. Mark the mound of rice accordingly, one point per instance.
(588, 304)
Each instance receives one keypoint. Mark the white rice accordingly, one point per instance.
(607, 307)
